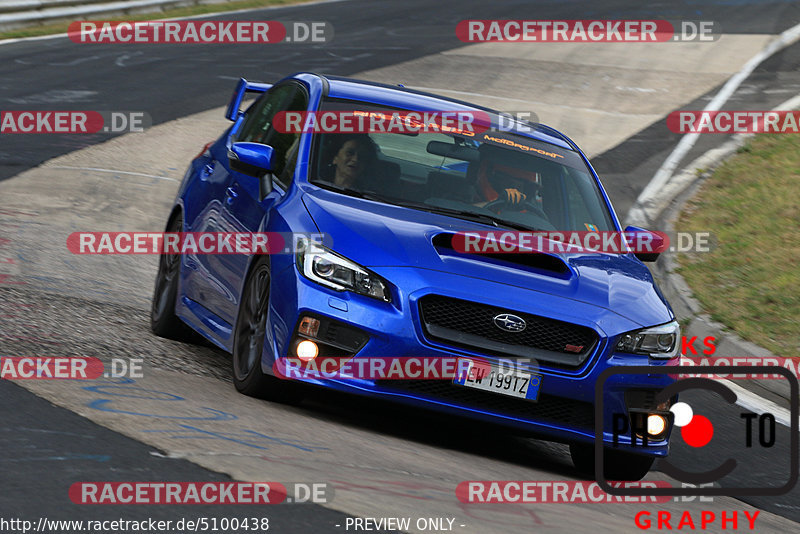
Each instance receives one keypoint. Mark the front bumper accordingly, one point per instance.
(565, 410)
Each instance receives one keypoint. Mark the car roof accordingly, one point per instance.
(403, 97)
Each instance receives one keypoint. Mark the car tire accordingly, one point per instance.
(248, 342)
(163, 321)
(617, 465)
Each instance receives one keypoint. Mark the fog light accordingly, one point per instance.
(307, 350)
(309, 326)
(656, 424)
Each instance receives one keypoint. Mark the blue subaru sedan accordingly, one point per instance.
(388, 279)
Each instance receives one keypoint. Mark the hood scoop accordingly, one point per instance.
(540, 262)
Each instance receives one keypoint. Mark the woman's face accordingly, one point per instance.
(349, 162)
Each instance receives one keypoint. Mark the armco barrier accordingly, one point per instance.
(15, 14)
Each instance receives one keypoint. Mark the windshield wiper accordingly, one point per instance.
(461, 214)
(472, 216)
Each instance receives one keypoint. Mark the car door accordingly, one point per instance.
(204, 212)
(243, 209)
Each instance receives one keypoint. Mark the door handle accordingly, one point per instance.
(231, 195)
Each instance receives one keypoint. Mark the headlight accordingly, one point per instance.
(657, 342)
(325, 267)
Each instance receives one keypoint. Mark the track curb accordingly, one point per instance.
(681, 188)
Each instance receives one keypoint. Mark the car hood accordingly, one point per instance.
(374, 234)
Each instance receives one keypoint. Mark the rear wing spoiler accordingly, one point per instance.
(243, 87)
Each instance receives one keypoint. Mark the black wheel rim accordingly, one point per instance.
(168, 266)
(252, 324)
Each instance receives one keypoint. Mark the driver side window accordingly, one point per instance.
(257, 127)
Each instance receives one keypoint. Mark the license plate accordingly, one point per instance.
(501, 380)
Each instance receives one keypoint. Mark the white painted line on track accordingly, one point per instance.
(792, 103)
(95, 169)
(749, 400)
(745, 398)
(752, 402)
(679, 182)
(638, 213)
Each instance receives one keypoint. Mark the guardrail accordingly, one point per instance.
(15, 14)
(17, 6)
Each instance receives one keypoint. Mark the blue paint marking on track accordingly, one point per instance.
(124, 388)
(105, 389)
(102, 405)
(249, 438)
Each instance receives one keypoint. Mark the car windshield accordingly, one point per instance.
(462, 173)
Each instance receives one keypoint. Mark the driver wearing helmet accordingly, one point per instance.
(511, 185)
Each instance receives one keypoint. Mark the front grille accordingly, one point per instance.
(471, 325)
(551, 409)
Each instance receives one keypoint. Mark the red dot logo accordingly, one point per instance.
(696, 430)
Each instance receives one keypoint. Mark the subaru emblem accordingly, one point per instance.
(509, 322)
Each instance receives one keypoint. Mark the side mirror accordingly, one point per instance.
(253, 159)
(647, 245)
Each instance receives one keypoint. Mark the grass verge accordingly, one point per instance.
(61, 27)
(751, 281)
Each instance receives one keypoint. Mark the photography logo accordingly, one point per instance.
(695, 422)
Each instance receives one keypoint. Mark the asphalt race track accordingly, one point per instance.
(182, 420)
